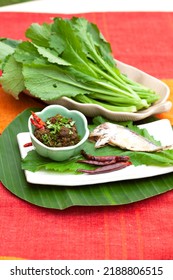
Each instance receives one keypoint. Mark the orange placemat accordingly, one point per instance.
(141, 230)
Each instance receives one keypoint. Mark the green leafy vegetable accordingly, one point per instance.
(34, 162)
(7, 47)
(70, 57)
(14, 75)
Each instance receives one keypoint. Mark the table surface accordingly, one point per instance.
(141, 230)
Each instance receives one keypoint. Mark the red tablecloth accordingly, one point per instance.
(141, 230)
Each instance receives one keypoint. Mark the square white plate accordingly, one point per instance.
(161, 130)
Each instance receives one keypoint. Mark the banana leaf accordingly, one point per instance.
(61, 197)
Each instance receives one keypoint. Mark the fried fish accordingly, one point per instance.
(122, 137)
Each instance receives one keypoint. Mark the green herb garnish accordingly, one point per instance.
(58, 131)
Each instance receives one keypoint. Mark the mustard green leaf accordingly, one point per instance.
(39, 34)
(51, 55)
(12, 78)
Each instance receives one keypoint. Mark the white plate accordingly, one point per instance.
(91, 110)
(161, 130)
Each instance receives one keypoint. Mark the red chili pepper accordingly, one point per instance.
(37, 125)
(37, 122)
(27, 144)
(107, 168)
(104, 158)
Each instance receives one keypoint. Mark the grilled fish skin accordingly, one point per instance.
(122, 137)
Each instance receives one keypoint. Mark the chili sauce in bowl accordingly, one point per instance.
(58, 133)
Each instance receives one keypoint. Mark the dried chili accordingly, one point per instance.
(106, 168)
(104, 158)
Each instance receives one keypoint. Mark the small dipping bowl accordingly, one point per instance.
(60, 153)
